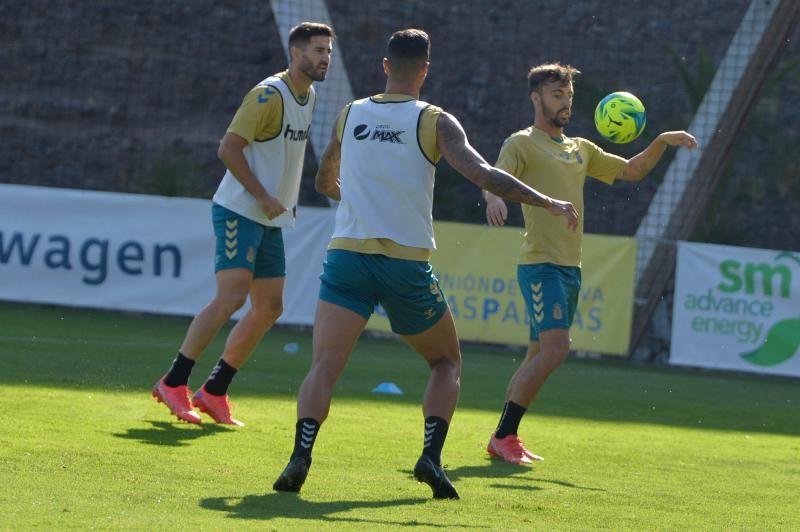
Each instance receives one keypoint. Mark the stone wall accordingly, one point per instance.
(134, 96)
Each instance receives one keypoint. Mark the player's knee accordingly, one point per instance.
(230, 302)
(325, 372)
(562, 354)
(559, 353)
(271, 309)
(450, 363)
(555, 349)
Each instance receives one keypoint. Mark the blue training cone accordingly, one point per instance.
(387, 388)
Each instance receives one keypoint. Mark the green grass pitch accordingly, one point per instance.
(83, 445)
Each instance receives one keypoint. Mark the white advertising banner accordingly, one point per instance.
(737, 308)
(135, 252)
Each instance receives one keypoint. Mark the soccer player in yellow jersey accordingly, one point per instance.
(263, 152)
(549, 272)
(380, 164)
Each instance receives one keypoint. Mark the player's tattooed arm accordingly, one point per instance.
(643, 163)
(327, 179)
(456, 149)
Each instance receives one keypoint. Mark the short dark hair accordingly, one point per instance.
(550, 72)
(408, 47)
(301, 34)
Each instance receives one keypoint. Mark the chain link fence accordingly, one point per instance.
(134, 96)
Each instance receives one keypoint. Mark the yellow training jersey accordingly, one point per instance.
(260, 116)
(557, 167)
(425, 139)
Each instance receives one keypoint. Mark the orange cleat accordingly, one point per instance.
(176, 398)
(216, 406)
(511, 450)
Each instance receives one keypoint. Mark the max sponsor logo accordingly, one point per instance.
(381, 133)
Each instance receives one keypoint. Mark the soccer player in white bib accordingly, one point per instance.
(380, 165)
(548, 271)
(263, 151)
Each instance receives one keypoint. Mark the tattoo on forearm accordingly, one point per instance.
(508, 187)
(465, 159)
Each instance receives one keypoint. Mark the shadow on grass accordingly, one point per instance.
(290, 506)
(517, 477)
(171, 434)
(70, 349)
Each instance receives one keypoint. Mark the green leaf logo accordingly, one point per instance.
(783, 341)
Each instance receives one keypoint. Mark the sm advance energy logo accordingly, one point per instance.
(751, 304)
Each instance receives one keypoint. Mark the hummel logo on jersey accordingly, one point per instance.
(268, 91)
(382, 133)
(296, 134)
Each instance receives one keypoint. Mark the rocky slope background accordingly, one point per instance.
(134, 96)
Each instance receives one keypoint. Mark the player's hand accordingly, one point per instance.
(678, 138)
(496, 211)
(565, 209)
(272, 207)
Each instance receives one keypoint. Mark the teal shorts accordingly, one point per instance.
(243, 243)
(406, 289)
(551, 295)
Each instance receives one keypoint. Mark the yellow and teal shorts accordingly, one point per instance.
(551, 295)
(407, 290)
(243, 243)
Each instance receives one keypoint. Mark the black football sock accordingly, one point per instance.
(220, 378)
(435, 434)
(509, 422)
(502, 415)
(178, 374)
(305, 434)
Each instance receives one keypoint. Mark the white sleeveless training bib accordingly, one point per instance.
(276, 162)
(386, 180)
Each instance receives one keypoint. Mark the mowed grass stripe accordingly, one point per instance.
(83, 445)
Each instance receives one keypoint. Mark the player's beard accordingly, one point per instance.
(312, 71)
(560, 119)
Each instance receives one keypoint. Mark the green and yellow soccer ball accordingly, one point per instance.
(620, 117)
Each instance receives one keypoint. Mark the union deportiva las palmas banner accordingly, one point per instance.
(737, 308)
(156, 254)
(477, 271)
